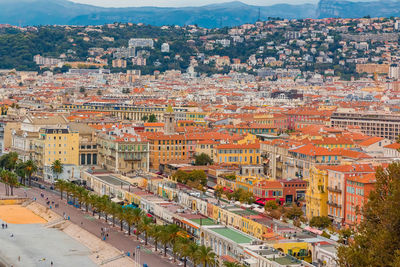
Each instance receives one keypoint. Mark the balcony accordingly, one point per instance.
(334, 189)
(333, 204)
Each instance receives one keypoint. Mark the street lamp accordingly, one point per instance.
(137, 256)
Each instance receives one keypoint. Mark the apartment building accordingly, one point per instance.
(123, 152)
(22, 138)
(57, 144)
(373, 124)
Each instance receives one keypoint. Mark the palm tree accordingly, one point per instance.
(30, 169)
(145, 226)
(112, 209)
(192, 253)
(121, 216)
(20, 171)
(86, 199)
(165, 238)
(11, 161)
(101, 205)
(69, 189)
(57, 167)
(105, 204)
(79, 193)
(93, 200)
(156, 232)
(129, 218)
(232, 264)
(137, 215)
(173, 231)
(61, 185)
(182, 248)
(206, 256)
(12, 181)
(4, 179)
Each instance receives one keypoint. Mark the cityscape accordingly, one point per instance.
(270, 143)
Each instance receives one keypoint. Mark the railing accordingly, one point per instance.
(334, 189)
(333, 204)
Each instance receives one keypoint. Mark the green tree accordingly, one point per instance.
(129, 218)
(320, 222)
(145, 118)
(57, 168)
(112, 209)
(20, 171)
(206, 256)
(61, 185)
(182, 248)
(99, 92)
(82, 89)
(377, 238)
(193, 254)
(270, 205)
(203, 159)
(156, 233)
(165, 238)
(294, 212)
(173, 231)
(232, 264)
(145, 226)
(30, 168)
(152, 118)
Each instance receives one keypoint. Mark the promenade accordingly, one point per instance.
(92, 224)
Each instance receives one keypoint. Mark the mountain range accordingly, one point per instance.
(64, 12)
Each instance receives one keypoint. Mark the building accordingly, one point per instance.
(358, 189)
(22, 139)
(119, 63)
(373, 124)
(57, 144)
(165, 48)
(337, 177)
(141, 42)
(123, 152)
(87, 144)
(317, 194)
(239, 154)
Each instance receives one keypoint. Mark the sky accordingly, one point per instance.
(181, 3)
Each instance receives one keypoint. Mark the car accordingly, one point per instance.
(42, 186)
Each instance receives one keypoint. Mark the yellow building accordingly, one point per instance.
(56, 144)
(239, 154)
(207, 147)
(298, 250)
(317, 194)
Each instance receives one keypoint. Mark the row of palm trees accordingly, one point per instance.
(10, 181)
(166, 236)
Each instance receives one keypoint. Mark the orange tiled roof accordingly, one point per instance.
(370, 141)
(312, 150)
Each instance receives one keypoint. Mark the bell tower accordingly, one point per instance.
(169, 120)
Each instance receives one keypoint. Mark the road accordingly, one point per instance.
(92, 224)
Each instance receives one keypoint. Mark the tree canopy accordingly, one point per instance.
(377, 238)
(203, 159)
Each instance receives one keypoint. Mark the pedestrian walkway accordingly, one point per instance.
(86, 221)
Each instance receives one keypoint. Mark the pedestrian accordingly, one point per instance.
(51, 263)
(6, 226)
(19, 258)
(2, 225)
(12, 235)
